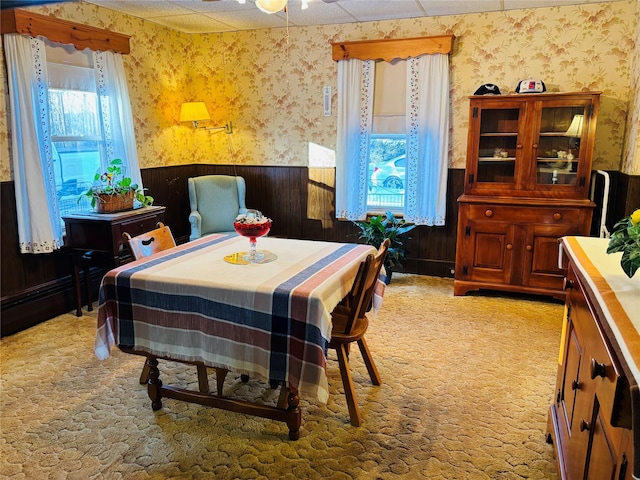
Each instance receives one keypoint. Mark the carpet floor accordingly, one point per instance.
(467, 383)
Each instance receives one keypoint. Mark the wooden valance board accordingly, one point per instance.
(391, 49)
(63, 31)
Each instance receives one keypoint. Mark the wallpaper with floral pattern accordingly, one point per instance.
(269, 82)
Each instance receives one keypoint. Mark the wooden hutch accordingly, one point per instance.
(526, 185)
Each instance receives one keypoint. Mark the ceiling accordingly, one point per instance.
(211, 16)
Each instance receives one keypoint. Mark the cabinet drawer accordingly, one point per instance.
(515, 214)
(134, 226)
(139, 225)
(611, 386)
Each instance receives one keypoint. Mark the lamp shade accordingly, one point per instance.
(271, 6)
(194, 112)
(575, 129)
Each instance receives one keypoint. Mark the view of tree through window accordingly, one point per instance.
(387, 166)
(77, 140)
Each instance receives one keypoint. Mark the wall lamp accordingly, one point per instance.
(197, 112)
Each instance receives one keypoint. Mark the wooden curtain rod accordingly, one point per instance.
(391, 49)
(63, 31)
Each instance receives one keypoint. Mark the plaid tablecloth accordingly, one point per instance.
(271, 321)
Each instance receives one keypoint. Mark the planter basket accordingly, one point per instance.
(114, 203)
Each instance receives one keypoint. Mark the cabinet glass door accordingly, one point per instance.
(558, 147)
(497, 145)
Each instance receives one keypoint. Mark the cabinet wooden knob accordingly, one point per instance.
(584, 426)
(575, 385)
(597, 369)
(535, 145)
(528, 248)
(489, 213)
(509, 246)
(519, 145)
(567, 284)
(557, 216)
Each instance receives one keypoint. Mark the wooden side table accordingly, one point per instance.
(91, 233)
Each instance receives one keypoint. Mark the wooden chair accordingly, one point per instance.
(350, 323)
(147, 244)
(151, 242)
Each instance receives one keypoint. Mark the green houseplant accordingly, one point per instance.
(626, 239)
(376, 229)
(113, 192)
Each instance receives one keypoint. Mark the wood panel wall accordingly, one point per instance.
(300, 201)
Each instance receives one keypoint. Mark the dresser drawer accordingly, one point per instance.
(514, 215)
(602, 368)
(135, 225)
(139, 225)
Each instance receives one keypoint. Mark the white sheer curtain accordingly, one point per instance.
(115, 112)
(427, 139)
(355, 102)
(39, 229)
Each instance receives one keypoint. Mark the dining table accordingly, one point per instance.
(195, 303)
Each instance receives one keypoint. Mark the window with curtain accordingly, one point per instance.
(76, 133)
(70, 116)
(388, 140)
(393, 130)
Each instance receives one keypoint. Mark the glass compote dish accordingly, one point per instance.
(252, 225)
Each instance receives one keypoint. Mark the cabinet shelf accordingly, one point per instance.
(496, 159)
(499, 134)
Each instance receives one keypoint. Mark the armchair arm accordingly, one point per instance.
(195, 219)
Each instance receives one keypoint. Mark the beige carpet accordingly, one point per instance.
(467, 382)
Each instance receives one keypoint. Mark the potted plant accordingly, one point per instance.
(626, 239)
(113, 192)
(377, 228)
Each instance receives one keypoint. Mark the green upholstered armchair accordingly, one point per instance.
(216, 200)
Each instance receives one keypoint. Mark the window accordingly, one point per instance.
(387, 172)
(416, 108)
(74, 122)
(67, 122)
(388, 142)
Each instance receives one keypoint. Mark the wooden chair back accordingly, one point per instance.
(358, 302)
(151, 242)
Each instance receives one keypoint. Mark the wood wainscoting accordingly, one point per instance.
(300, 201)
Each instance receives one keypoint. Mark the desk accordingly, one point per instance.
(102, 232)
(271, 321)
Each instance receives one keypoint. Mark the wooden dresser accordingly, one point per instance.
(526, 185)
(594, 422)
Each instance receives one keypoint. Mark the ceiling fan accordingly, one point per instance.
(273, 6)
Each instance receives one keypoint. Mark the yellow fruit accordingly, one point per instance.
(635, 217)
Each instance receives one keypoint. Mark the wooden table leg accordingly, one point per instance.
(76, 283)
(154, 386)
(294, 414)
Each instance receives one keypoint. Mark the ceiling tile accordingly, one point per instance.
(193, 23)
(144, 8)
(446, 7)
(366, 11)
(199, 16)
(318, 13)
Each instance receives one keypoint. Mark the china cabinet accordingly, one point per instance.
(526, 185)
